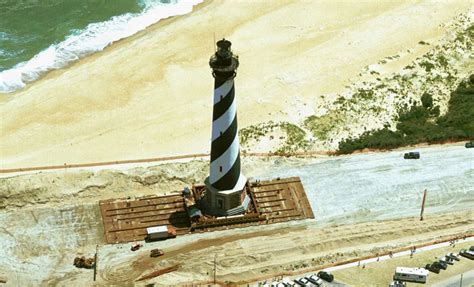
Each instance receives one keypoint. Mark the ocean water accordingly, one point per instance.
(37, 36)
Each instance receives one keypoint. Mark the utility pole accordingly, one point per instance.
(460, 283)
(215, 257)
(95, 261)
(423, 205)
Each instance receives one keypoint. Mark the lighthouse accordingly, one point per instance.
(225, 186)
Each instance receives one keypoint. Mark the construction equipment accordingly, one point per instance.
(156, 253)
(135, 246)
(83, 262)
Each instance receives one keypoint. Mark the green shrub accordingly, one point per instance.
(321, 126)
(427, 100)
(416, 125)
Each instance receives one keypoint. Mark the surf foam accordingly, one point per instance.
(95, 37)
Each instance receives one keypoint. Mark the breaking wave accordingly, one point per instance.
(95, 37)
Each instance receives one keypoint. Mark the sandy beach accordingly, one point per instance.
(150, 95)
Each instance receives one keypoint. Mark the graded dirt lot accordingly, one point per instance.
(49, 218)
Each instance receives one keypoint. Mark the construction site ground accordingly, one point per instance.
(49, 218)
(126, 219)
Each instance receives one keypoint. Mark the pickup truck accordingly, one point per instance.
(440, 265)
(315, 280)
(467, 253)
(446, 260)
(453, 256)
(432, 268)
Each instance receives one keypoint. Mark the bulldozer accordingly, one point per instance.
(156, 253)
(83, 262)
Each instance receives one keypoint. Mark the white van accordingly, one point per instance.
(419, 275)
(397, 284)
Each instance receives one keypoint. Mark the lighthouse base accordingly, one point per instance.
(226, 202)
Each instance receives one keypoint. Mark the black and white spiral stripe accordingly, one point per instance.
(225, 151)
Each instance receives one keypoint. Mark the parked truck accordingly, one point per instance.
(419, 275)
(159, 233)
(411, 155)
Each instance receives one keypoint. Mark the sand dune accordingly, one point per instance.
(150, 95)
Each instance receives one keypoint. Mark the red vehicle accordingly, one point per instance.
(135, 246)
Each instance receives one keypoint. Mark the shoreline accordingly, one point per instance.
(5, 97)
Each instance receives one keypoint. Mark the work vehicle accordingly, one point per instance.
(159, 232)
(440, 265)
(397, 284)
(82, 262)
(303, 282)
(407, 274)
(446, 260)
(411, 155)
(467, 253)
(315, 280)
(469, 144)
(135, 246)
(326, 276)
(453, 256)
(156, 253)
(432, 268)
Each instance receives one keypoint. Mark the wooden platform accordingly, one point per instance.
(126, 220)
(281, 199)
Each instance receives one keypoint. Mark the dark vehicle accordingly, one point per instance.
(82, 262)
(156, 253)
(326, 276)
(432, 268)
(471, 248)
(470, 144)
(411, 155)
(467, 253)
(440, 265)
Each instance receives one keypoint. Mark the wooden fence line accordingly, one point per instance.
(146, 160)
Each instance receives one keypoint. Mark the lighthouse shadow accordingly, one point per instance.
(179, 219)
